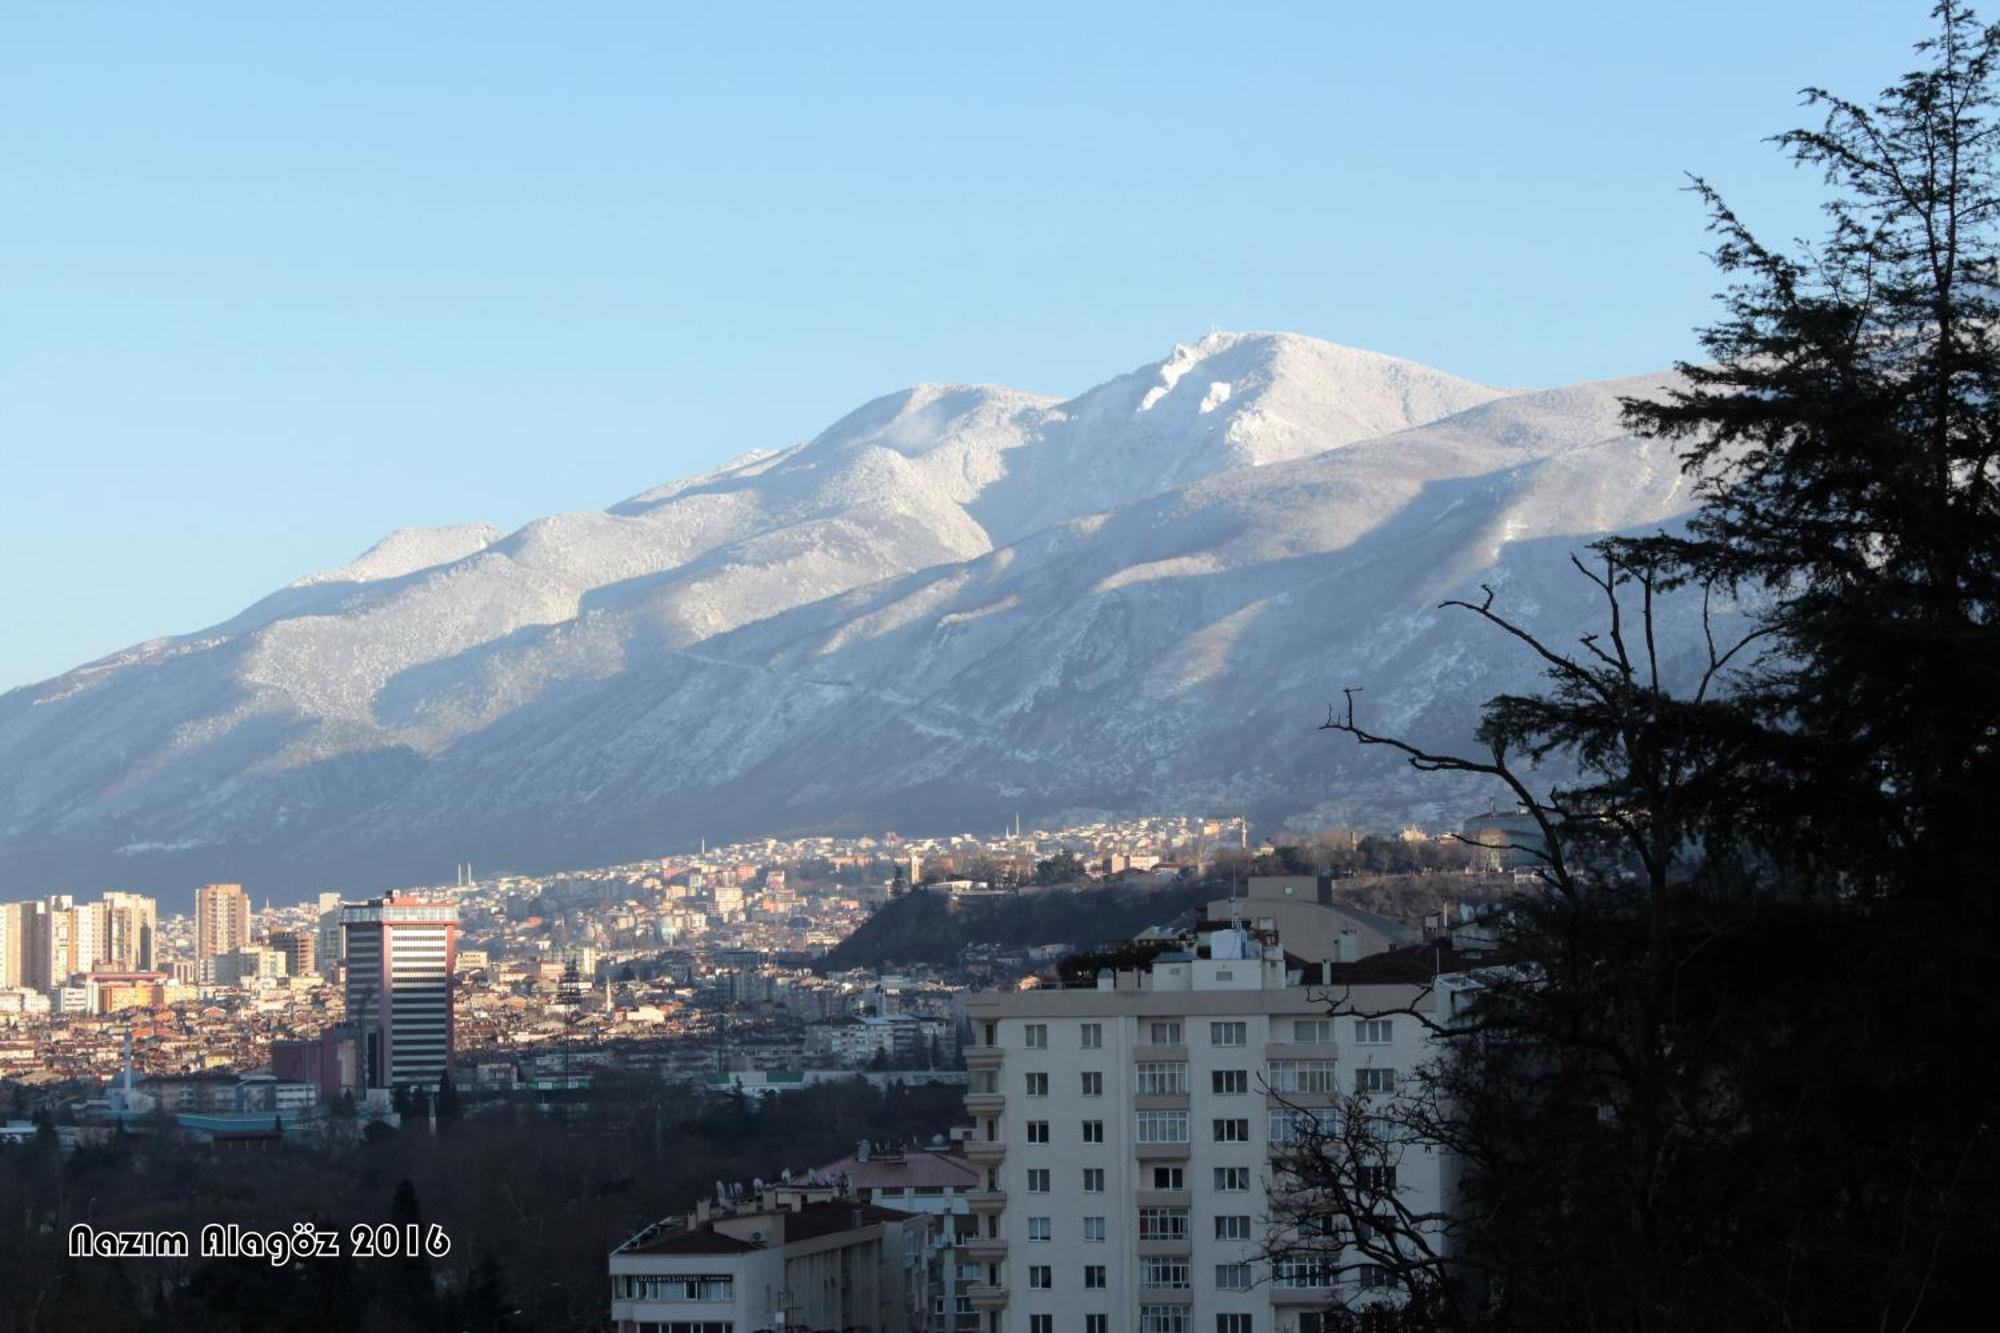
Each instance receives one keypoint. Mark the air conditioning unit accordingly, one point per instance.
(759, 1236)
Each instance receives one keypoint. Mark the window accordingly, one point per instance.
(1163, 1224)
(1232, 1323)
(1163, 1274)
(1303, 1076)
(1093, 1083)
(1038, 1085)
(1232, 1179)
(1093, 1036)
(1169, 1178)
(1093, 1277)
(1232, 1277)
(1097, 1323)
(1371, 1275)
(1036, 1036)
(1161, 1126)
(1164, 1319)
(1040, 1277)
(1381, 1179)
(1093, 1228)
(1232, 1129)
(1162, 1078)
(1371, 1032)
(1233, 1226)
(1290, 1124)
(1093, 1180)
(1038, 1180)
(1374, 1080)
(1313, 1031)
(1041, 1323)
(1038, 1228)
(1164, 1033)
(1229, 1082)
(1093, 1131)
(1229, 1034)
(1303, 1271)
(1038, 1131)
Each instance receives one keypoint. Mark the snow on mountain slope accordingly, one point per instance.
(955, 599)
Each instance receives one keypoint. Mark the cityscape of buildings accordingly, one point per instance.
(1121, 1138)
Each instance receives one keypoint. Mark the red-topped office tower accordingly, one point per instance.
(400, 953)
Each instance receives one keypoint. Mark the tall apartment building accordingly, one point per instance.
(23, 946)
(1127, 1133)
(129, 921)
(399, 952)
(326, 949)
(298, 947)
(221, 920)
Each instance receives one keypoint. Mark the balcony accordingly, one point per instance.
(1179, 1248)
(985, 1203)
(983, 1057)
(1161, 1152)
(985, 1152)
(985, 1103)
(1316, 1296)
(984, 1249)
(1160, 1101)
(985, 1296)
(1155, 1054)
(1165, 1198)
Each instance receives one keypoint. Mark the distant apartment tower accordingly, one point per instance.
(298, 948)
(327, 946)
(128, 922)
(221, 920)
(399, 959)
(23, 945)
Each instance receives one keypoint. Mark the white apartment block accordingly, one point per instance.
(789, 1258)
(1127, 1132)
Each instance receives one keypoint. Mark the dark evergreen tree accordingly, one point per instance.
(1723, 1082)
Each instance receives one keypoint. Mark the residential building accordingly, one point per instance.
(23, 946)
(1127, 1132)
(298, 948)
(938, 1182)
(399, 958)
(326, 949)
(221, 921)
(129, 922)
(784, 1258)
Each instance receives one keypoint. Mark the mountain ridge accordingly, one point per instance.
(1000, 598)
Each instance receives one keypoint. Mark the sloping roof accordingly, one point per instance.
(1412, 964)
(899, 1171)
(808, 1222)
(693, 1240)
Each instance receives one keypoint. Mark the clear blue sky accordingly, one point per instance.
(276, 279)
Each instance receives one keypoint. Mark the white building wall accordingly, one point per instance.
(1196, 994)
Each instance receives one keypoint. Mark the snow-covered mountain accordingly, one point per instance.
(956, 602)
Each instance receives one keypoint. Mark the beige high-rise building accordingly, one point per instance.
(221, 921)
(298, 948)
(127, 922)
(23, 945)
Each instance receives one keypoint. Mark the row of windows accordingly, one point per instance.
(677, 1287)
(1171, 1032)
(1179, 1319)
(1227, 1179)
(1169, 1078)
(1159, 1224)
